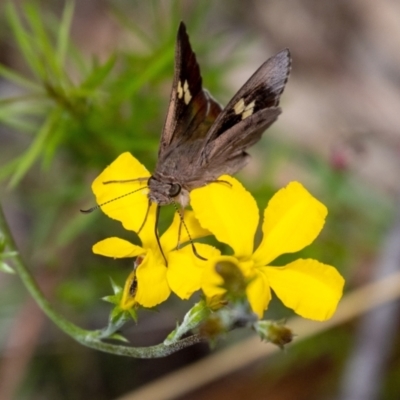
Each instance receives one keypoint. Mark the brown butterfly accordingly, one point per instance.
(200, 140)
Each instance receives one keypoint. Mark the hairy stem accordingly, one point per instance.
(87, 338)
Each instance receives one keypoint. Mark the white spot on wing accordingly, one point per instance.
(239, 107)
(180, 90)
(186, 92)
(249, 109)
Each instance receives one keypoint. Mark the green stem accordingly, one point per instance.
(87, 338)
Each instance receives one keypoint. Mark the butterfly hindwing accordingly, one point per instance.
(250, 112)
(261, 91)
(234, 142)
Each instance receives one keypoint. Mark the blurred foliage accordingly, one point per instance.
(70, 115)
(78, 113)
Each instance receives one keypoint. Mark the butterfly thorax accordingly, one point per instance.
(164, 190)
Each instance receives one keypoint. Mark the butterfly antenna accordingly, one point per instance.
(157, 236)
(126, 181)
(188, 233)
(222, 181)
(89, 210)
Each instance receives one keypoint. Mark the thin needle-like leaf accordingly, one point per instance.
(18, 79)
(7, 169)
(22, 37)
(34, 150)
(99, 74)
(43, 47)
(63, 33)
(152, 70)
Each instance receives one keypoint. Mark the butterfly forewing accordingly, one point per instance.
(191, 110)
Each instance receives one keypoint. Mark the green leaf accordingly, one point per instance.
(42, 43)
(7, 254)
(116, 288)
(117, 336)
(18, 79)
(99, 74)
(36, 147)
(7, 169)
(118, 318)
(133, 313)
(6, 268)
(17, 124)
(80, 61)
(196, 315)
(153, 69)
(21, 113)
(113, 299)
(23, 40)
(116, 297)
(63, 33)
(116, 315)
(2, 243)
(54, 142)
(32, 104)
(126, 22)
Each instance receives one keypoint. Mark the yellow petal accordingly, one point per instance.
(129, 294)
(152, 285)
(117, 248)
(229, 211)
(185, 270)
(259, 293)
(292, 220)
(310, 288)
(124, 206)
(177, 232)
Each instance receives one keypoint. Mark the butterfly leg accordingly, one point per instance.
(157, 235)
(181, 213)
(182, 223)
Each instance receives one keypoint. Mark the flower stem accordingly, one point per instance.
(87, 338)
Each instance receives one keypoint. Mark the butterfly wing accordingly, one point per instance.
(250, 112)
(191, 109)
(199, 141)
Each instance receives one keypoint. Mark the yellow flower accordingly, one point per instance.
(147, 285)
(118, 198)
(151, 286)
(292, 220)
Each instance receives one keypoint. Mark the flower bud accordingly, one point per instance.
(216, 302)
(234, 281)
(274, 332)
(212, 328)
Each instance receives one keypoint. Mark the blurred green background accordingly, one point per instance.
(80, 84)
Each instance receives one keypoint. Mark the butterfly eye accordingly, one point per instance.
(175, 189)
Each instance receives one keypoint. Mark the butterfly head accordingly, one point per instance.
(163, 193)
